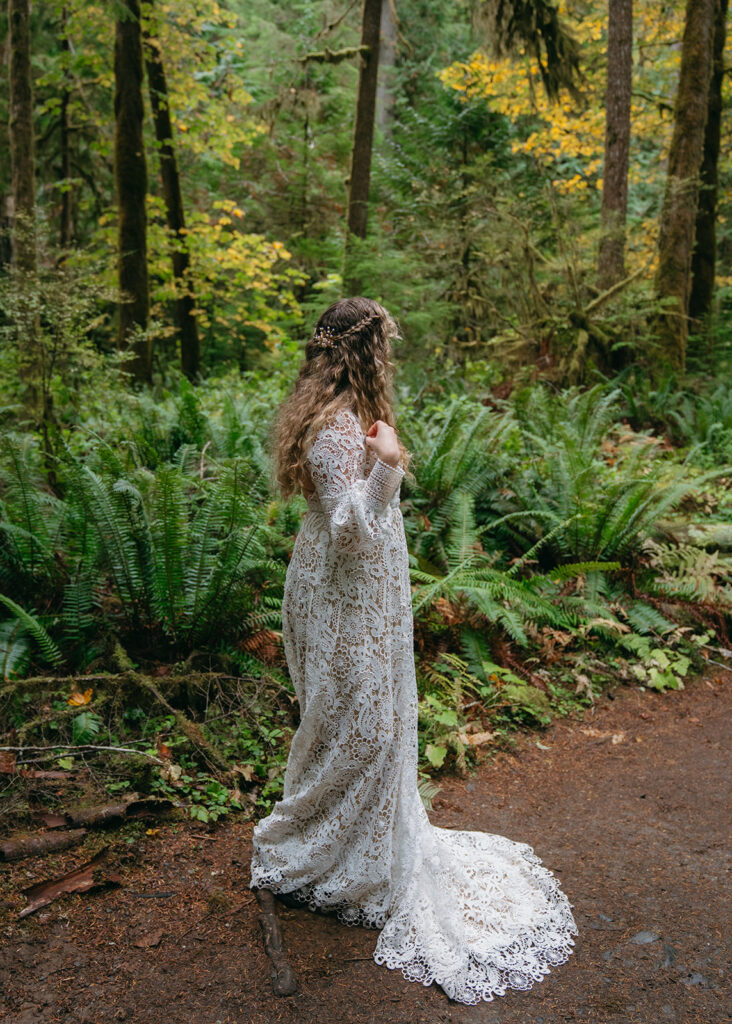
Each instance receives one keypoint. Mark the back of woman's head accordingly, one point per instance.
(347, 365)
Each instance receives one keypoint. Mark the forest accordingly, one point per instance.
(540, 193)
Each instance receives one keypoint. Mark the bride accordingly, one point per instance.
(474, 912)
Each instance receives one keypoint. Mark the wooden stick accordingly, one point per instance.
(50, 748)
(284, 982)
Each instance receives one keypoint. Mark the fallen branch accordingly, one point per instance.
(46, 842)
(326, 56)
(48, 750)
(107, 814)
(284, 982)
(617, 287)
(186, 726)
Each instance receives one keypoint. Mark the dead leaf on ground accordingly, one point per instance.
(51, 820)
(149, 940)
(476, 738)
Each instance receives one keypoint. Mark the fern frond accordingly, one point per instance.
(49, 650)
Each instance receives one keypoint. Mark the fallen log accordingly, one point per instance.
(83, 819)
(111, 814)
(44, 842)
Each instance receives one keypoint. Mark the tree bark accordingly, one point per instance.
(22, 218)
(705, 252)
(611, 255)
(67, 224)
(185, 303)
(363, 136)
(678, 216)
(387, 62)
(131, 183)
(22, 156)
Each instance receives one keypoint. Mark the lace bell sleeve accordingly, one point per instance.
(358, 508)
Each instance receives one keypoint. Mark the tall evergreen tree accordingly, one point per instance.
(23, 215)
(22, 149)
(705, 250)
(67, 222)
(131, 182)
(159, 102)
(678, 215)
(363, 136)
(387, 60)
(611, 255)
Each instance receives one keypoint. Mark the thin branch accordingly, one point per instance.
(326, 56)
(617, 287)
(49, 750)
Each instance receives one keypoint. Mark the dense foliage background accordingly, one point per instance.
(570, 416)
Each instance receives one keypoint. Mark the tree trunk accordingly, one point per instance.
(387, 61)
(131, 182)
(6, 229)
(189, 346)
(705, 251)
(67, 224)
(678, 216)
(363, 136)
(22, 217)
(611, 256)
(22, 155)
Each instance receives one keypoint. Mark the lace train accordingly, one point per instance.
(478, 914)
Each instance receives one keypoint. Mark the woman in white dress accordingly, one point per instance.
(476, 913)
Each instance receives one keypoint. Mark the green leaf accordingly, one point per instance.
(435, 755)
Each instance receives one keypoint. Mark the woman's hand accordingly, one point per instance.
(382, 439)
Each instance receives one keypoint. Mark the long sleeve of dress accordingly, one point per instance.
(358, 507)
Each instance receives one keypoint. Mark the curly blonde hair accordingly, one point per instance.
(347, 365)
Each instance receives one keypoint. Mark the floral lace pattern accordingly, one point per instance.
(476, 913)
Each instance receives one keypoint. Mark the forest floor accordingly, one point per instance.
(630, 808)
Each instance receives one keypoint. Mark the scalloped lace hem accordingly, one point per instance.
(518, 965)
(357, 916)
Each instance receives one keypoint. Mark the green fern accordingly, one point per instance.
(32, 625)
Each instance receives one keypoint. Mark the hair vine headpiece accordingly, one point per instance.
(326, 337)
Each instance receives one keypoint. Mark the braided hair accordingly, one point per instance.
(325, 336)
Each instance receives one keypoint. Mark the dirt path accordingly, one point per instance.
(635, 826)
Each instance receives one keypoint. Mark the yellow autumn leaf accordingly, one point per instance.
(77, 699)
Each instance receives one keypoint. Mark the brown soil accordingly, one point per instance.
(628, 807)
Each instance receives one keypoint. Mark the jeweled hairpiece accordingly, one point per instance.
(324, 337)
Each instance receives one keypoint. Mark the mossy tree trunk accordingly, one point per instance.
(66, 231)
(131, 183)
(678, 215)
(611, 255)
(705, 250)
(22, 155)
(23, 207)
(385, 94)
(363, 135)
(185, 303)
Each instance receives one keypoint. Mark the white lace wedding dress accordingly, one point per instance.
(476, 913)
